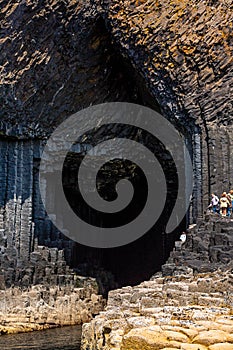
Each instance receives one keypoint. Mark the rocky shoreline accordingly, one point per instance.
(177, 312)
(40, 307)
(188, 306)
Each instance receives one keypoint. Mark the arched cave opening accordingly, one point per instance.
(132, 263)
(139, 260)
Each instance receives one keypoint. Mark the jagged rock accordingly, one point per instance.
(184, 309)
(61, 57)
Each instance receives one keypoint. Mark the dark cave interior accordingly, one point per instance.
(139, 260)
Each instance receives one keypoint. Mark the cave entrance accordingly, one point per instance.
(134, 262)
(139, 260)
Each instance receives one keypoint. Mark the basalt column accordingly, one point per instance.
(16, 196)
(58, 58)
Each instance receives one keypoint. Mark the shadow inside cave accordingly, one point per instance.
(129, 264)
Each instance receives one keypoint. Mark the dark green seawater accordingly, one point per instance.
(65, 338)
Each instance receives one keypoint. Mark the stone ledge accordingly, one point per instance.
(142, 318)
(39, 307)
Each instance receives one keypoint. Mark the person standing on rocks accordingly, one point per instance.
(214, 203)
(229, 208)
(230, 197)
(224, 203)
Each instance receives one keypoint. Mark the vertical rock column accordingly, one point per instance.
(3, 177)
(197, 204)
(16, 228)
(26, 226)
(221, 158)
(42, 226)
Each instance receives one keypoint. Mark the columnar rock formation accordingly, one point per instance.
(186, 306)
(60, 57)
(179, 312)
(41, 307)
(208, 246)
(183, 50)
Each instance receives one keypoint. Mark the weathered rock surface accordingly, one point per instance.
(32, 250)
(40, 307)
(59, 57)
(183, 50)
(56, 58)
(208, 246)
(179, 312)
(187, 306)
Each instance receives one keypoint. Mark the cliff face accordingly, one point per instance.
(183, 50)
(56, 53)
(58, 57)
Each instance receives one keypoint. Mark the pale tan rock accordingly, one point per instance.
(174, 324)
(212, 337)
(221, 346)
(39, 308)
(175, 336)
(150, 338)
(193, 347)
(138, 322)
(226, 326)
(115, 338)
(191, 333)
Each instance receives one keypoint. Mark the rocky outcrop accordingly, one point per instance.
(58, 57)
(179, 312)
(208, 246)
(40, 307)
(183, 50)
(188, 305)
(32, 250)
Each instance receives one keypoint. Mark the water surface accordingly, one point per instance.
(65, 338)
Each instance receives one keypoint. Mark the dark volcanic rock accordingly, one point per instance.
(208, 247)
(58, 57)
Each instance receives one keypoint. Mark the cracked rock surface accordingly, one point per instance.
(179, 312)
(187, 306)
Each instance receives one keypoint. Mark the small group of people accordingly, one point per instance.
(222, 205)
